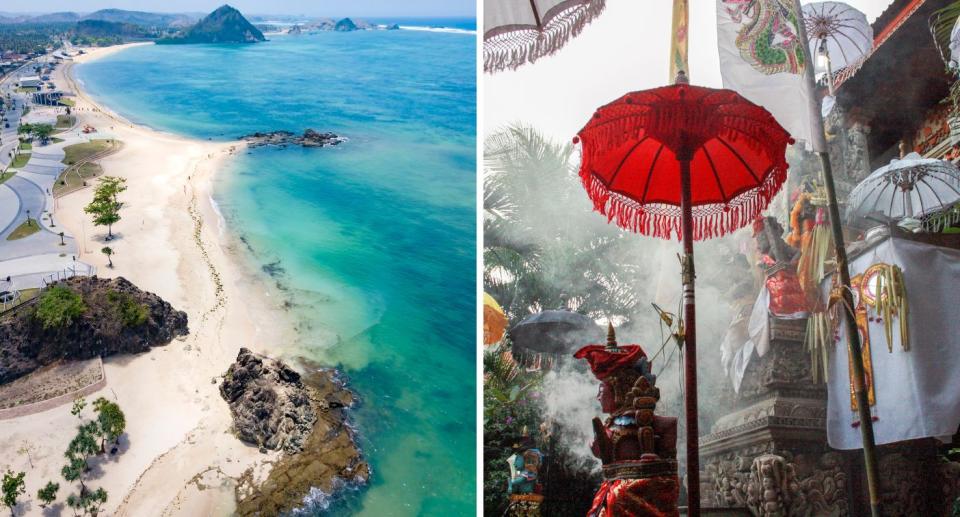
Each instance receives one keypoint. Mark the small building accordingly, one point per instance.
(48, 98)
(31, 82)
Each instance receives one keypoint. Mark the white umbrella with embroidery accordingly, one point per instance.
(911, 187)
(839, 36)
(516, 32)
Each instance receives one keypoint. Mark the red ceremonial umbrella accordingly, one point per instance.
(696, 161)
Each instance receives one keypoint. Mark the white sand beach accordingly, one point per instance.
(178, 456)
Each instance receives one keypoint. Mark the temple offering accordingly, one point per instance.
(524, 487)
(901, 289)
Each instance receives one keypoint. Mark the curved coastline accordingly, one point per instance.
(181, 459)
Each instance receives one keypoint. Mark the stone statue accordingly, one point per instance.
(637, 448)
(524, 487)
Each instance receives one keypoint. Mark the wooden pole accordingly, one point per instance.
(853, 332)
(689, 343)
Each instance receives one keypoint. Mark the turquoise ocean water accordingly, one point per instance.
(374, 240)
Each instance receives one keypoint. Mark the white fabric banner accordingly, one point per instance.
(762, 57)
(916, 390)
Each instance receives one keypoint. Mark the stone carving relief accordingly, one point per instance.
(770, 485)
(901, 485)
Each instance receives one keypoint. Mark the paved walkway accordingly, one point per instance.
(38, 270)
(40, 256)
(9, 207)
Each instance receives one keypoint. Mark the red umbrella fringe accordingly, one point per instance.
(663, 220)
(512, 48)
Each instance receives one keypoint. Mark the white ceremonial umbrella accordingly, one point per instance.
(839, 35)
(909, 187)
(516, 32)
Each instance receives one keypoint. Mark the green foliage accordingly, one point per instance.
(13, 487)
(105, 207)
(29, 38)
(941, 24)
(58, 307)
(108, 251)
(130, 312)
(111, 186)
(84, 444)
(110, 421)
(48, 493)
(78, 404)
(511, 402)
(74, 469)
(81, 447)
(41, 131)
(544, 248)
(225, 25)
(88, 502)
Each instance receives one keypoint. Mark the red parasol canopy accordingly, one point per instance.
(631, 170)
(696, 161)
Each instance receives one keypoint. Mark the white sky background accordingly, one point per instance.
(626, 48)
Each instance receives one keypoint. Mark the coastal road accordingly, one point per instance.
(9, 207)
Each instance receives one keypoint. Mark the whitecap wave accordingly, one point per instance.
(221, 221)
(449, 30)
(318, 501)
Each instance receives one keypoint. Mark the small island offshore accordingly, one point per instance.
(137, 365)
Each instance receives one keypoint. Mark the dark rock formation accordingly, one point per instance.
(225, 25)
(393, 27)
(329, 457)
(270, 404)
(118, 318)
(310, 138)
(345, 25)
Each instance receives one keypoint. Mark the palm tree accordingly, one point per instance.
(108, 252)
(543, 245)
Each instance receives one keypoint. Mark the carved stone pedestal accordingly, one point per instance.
(770, 454)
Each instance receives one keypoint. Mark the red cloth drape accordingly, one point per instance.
(651, 497)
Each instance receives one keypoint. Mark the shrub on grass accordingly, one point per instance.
(58, 307)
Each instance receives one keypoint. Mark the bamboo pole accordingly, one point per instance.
(853, 333)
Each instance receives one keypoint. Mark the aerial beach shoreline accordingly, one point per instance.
(350, 286)
(181, 456)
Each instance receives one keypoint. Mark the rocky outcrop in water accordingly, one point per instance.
(107, 317)
(328, 458)
(309, 138)
(270, 404)
(346, 25)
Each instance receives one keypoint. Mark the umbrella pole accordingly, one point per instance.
(853, 333)
(690, 343)
(853, 338)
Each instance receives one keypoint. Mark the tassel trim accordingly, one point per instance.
(508, 48)
(664, 220)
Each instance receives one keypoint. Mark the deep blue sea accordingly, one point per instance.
(374, 239)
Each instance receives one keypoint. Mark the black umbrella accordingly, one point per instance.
(553, 332)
